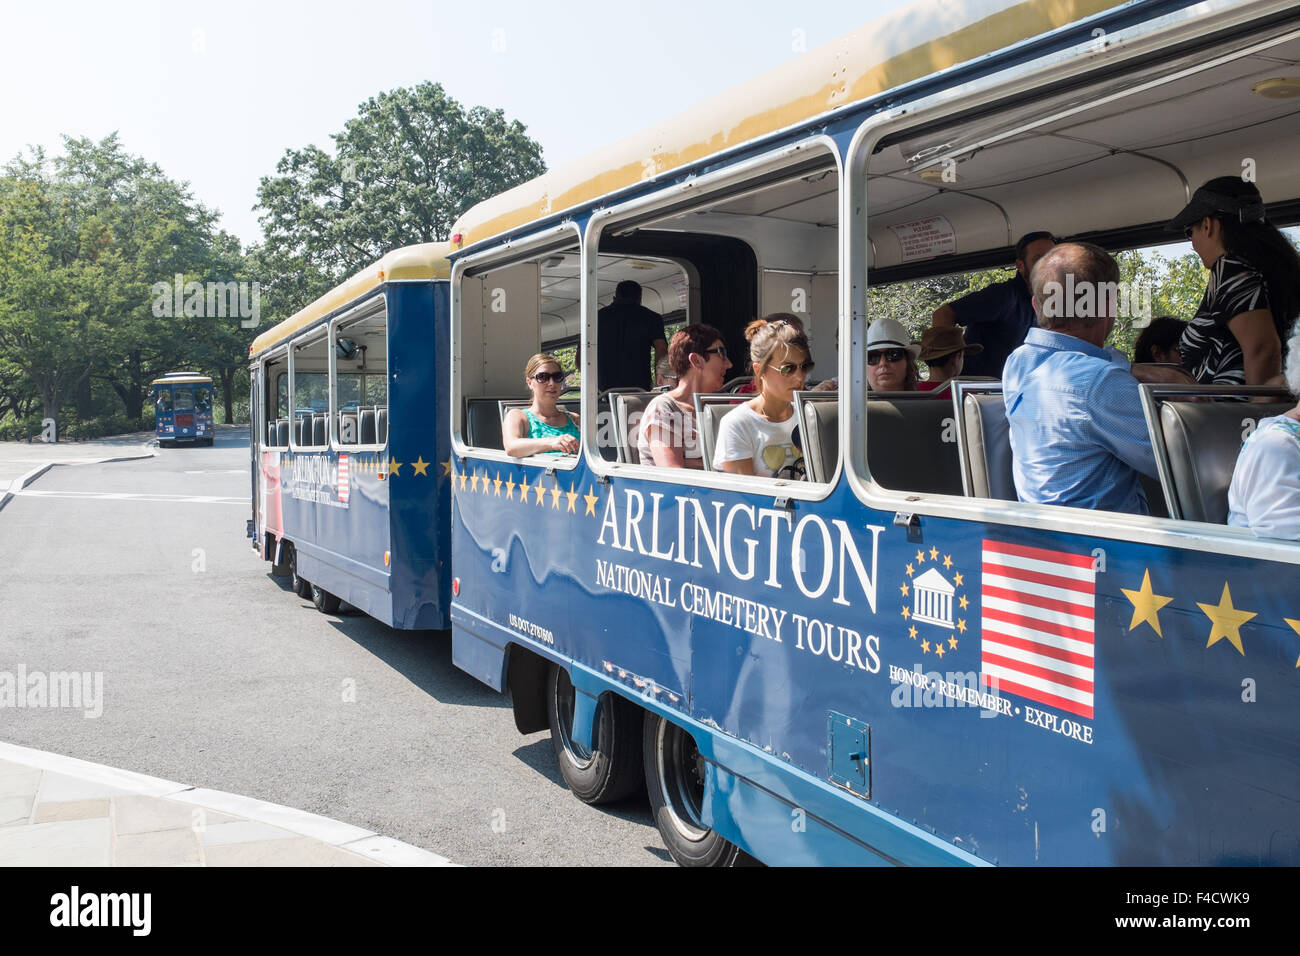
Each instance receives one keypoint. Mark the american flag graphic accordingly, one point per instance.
(343, 478)
(1037, 628)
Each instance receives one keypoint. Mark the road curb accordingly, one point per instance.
(22, 481)
(344, 836)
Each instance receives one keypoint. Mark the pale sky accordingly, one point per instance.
(214, 93)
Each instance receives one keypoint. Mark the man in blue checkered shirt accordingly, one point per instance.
(1078, 435)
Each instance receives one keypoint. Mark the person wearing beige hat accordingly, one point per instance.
(944, 350)
(891, 357)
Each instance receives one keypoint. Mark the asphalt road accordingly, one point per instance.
(215, 674)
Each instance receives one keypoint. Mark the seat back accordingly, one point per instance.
(381, 424)
(318, 431)
(709, 411)
(819, 432)
(483, 421)
(366, 426)
(282, 431)
(912, 443)
(1197, 447)
(986, 447)
(626, 408)
(297, 431)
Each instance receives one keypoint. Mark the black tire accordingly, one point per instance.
(297, 583)
(613, 770)
(325, 602)
(674, 778)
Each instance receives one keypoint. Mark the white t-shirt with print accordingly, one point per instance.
(744, 433)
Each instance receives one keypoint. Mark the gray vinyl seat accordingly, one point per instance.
(282, 432)
(318, 431)
(819, 431)
(988, 447)
(366, 426)
(709, 411)
(1201, 441)
(626, 409)
(381, 424)
(483, 421)
(912, 443)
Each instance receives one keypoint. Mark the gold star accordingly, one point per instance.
(925, 647)
(952, 641)
(906, 613)
(555, 496)
(920, 557)
(963, 602)
(903, 588)
(934, 554)
(394, 467)
(591, 500)
(910, 571)
(510, 487)
(539, 491)
(573, 498)
(961, 624)
(421, 466)
(473, 481)
(911, 632)
(938, 648)
(446, 468)
(1295, 626)
(947, 562)
(1226, 621)
(957, 579)
(496, 485)
(523, 489)
(1146, 604)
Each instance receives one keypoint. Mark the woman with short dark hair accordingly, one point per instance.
(668, 436)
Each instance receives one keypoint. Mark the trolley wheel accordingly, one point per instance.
(297, 583)
(325, 602)
(674, 773)
(613, 770)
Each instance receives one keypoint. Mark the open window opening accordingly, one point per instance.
(310, 393)
(765, 244)
(360, 360)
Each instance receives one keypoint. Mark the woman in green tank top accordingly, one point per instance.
(543, 428)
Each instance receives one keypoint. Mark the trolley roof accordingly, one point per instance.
(424, 261)
(182, 378)
(906, 45)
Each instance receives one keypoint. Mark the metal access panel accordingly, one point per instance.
(848, 752)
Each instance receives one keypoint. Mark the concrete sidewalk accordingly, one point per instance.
(60, 811)
(22, 463)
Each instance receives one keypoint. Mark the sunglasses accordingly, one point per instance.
(544, 377)
(720, 352)
(889, 355)
(789, 368)
(1188, 232)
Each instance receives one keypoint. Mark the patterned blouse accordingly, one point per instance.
(1210, 351)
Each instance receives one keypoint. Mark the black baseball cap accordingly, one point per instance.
(1223, 196)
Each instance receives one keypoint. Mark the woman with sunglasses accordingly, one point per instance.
(756, 438)
(891, 357)
(543, 428)
(668, 436)
(1253, 293)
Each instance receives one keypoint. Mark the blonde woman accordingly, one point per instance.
(756, 438)
(543, 428)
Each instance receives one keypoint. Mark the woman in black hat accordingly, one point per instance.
(1253, 293)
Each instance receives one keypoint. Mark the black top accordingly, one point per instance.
(1210, 351)
(626, 332)
(998, 317)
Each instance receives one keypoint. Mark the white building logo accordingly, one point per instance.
(932, 596)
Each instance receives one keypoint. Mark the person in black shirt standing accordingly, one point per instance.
(626, 331)
(1253, 293)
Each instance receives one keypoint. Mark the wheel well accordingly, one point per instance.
(526, 677)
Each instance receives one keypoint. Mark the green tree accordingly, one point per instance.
(402, 170)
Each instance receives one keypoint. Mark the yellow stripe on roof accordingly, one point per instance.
(182, 380)
(424, 261)
(906, 45)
